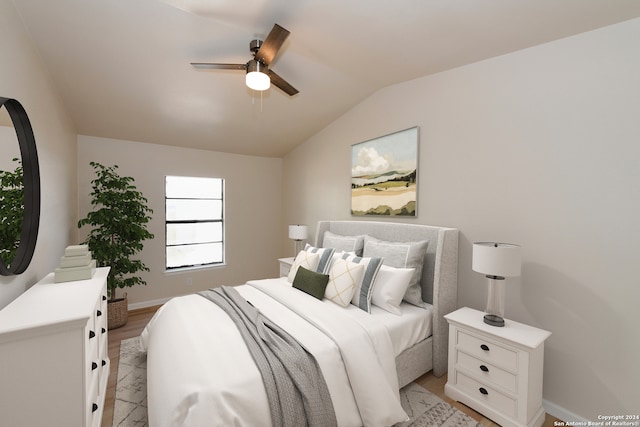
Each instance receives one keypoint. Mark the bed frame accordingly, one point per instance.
(439, 286)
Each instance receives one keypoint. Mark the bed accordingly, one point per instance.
(199, 374)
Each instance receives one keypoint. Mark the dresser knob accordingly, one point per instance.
(94, 407)
(484, 347)
(92, 334)
(104, 330)
(483, 390)
(99, 313)
(104, 297)
(483, 368)
(104, 362)
(94, 366)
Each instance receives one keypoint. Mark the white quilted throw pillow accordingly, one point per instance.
(306, 259)
(344, 278)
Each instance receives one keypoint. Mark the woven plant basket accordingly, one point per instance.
(118, 313)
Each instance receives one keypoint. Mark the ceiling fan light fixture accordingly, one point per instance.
(257, 77)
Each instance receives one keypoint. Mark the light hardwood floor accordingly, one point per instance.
(138, 319)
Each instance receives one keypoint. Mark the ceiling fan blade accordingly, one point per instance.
(281, 83)
(211, 66)
(272, 44)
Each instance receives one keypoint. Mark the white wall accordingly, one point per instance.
(539, 148)
(253, 188)
(23, 77)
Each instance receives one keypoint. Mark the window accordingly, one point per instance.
(194, 218)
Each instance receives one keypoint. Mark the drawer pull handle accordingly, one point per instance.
(104, 362)
(92, 334)
(104, 330)
(483, 368)
(484, 347)
(99, 313)
(104, 297)
(94, 366)
(483, 390)
(94, 407)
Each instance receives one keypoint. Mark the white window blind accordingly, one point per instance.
(194, 215)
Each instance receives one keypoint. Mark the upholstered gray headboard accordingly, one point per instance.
(439, 273)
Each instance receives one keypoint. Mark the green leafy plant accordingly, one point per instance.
(119, 226)
(11, 211)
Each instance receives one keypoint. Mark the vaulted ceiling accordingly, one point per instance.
(122, 67)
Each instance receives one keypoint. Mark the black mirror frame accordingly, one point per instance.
(31, 173)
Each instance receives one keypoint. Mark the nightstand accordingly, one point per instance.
(285, 266)
(496, 370)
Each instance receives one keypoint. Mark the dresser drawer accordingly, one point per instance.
(101, 314)
(488, 350)
(93, 401)
(487, 372)
(487, 395)
(102, 343)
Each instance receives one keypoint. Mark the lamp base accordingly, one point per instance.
(494, 313)
(296, 242)
(493, 320)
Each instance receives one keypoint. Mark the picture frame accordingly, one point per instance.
(384, 174)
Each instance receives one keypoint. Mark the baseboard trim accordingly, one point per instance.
(147, 304)
(562, 414)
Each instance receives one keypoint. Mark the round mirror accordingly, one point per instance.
(19, 189)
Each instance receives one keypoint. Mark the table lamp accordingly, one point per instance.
(496, 261)
(297, 233)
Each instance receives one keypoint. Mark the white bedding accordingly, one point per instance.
(412, 327)
(194, 351)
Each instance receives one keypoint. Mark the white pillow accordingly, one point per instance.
(306, 259)
(325, 257)
(362, 296)
(344, 277)
(337, 255)
(390, 286)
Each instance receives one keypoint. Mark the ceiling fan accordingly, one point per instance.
(259, 76)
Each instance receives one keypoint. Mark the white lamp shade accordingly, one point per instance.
(497, 259)
(258, 80)
(298, 232)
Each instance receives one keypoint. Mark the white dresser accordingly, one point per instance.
(496, 370)
(54, 362)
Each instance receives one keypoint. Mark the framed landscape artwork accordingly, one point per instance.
(383, 175)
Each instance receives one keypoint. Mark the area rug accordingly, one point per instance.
(423, 407)
(130, 407)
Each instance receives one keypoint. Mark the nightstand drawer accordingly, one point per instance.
(488, 350)
(487, 372)
(487, 395)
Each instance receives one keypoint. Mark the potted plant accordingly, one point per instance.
(11, 212)
(119, 226)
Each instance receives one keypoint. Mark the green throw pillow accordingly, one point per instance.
(311, 282)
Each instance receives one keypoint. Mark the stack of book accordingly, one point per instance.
(76, 264)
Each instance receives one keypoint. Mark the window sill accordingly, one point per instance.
(194, 268)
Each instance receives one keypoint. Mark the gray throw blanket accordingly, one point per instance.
(296, 390)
